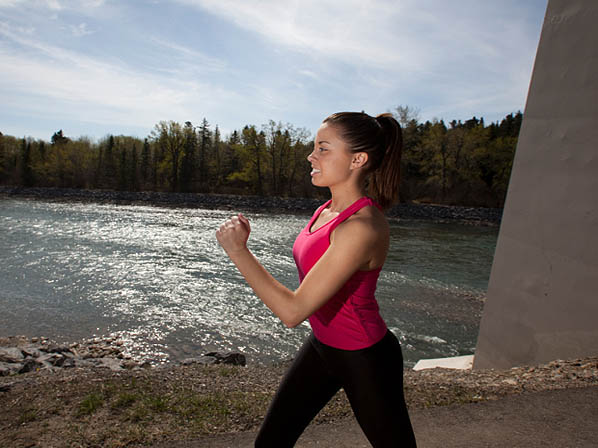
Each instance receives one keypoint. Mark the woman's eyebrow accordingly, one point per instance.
(323, 141)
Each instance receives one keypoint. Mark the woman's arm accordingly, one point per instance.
(349, 250)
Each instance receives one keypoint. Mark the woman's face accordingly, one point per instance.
(331, 160)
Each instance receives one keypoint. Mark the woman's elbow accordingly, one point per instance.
(289, 323)
(292, 320)
(292, 314)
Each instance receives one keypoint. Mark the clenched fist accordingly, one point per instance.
(233, 234)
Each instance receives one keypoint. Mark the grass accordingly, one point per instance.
(90, 404)
(28, 416)
(227, 371)
(125, 400)
(136, 408)
(139, 402)
(157, 403)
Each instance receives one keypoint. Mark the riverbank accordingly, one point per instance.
(472, 215)
(99, 406)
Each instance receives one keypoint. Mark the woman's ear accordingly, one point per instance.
(359, 160)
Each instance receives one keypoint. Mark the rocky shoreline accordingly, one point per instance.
(19, 354)
(471, 215)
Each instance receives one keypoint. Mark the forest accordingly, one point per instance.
(456, 163)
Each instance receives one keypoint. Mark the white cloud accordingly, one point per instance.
(400, 34)
(80, 30)
(54, 5)
(309, 74)
(77, 82)
(192, 56)
(9, 3)
(350, 30)
(400, 43)
(37, 4)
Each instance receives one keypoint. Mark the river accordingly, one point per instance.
(156, 278)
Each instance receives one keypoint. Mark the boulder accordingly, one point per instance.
(236, 359)
(30, 365)
(9, 368)
(55, 348)
(68, 363)
(31, 351)
(111, 363)
(11, 354)
(54, 359)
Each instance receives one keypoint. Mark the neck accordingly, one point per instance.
(343, 197)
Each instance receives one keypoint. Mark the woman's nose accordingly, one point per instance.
(310, 156)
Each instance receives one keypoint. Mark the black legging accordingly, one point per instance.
(372, 379)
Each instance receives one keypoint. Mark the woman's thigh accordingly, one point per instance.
(373, 381)
(303, 392)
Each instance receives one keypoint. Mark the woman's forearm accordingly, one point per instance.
(280, 299)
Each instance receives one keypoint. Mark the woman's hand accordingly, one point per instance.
(233, 234)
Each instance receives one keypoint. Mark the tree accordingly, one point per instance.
(204, 148)
(299, 166)
(108, 164)
(188, 160)
(254, 143)
(278, 147)
(145, 169)
(59, 139)
(231, 162)
(171, 140)
(406, 115)
(133, 178)
(27, 178)
(217, 150)
(436, 162)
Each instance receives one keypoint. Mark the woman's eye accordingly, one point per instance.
(321, 149)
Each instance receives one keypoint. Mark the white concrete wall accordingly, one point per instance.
(542, 301)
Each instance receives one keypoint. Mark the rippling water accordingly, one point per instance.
(157, 278)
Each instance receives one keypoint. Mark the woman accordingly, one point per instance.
(339, 255)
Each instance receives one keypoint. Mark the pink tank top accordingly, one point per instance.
(349, 320)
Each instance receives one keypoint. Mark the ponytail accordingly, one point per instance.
(381, 138)
(384, 181)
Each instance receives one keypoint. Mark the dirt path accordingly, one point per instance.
(558, 418)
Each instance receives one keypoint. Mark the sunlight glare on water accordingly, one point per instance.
(157, 278)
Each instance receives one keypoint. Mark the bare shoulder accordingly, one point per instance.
(367, 233)
(368, 224)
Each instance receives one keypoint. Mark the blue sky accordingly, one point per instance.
(98, 67)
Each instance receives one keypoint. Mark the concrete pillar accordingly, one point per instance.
(542, 301)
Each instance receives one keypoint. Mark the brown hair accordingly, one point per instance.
(381, 138)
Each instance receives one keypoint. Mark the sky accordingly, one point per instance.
(99, 67)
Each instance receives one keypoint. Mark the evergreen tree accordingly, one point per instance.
(145, 164)
(27, 178)
(217, 150)
(188, 161)
(204, 148)
(110, 163)
(133, 178)
(58, 138)
(122, 168)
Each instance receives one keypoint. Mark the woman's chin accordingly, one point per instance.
(315, 183)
